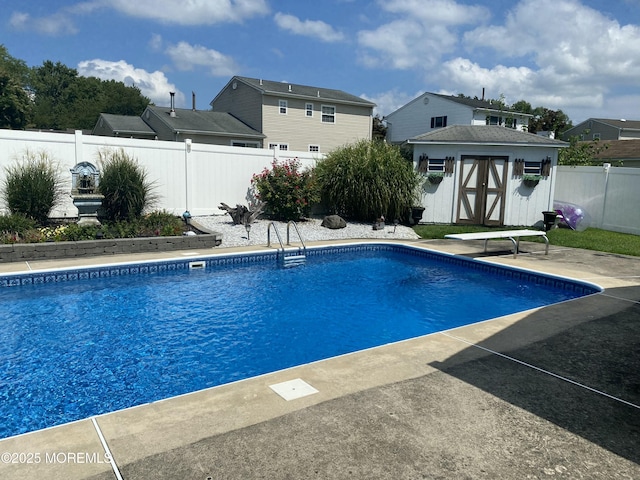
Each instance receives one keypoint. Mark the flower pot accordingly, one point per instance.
(531, 183)
(416, 214)
(434, 179)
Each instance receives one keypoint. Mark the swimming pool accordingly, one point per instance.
(76, 343)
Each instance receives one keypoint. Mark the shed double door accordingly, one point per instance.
(481, 196)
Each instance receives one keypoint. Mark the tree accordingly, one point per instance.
(14, 67)
(580, 153)
(64, 100)
(51, 86)
(379, 130)
(15, 106)
(546, 120)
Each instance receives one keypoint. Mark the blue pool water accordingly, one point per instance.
(80, 343)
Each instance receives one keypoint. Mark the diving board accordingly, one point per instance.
(513, 235)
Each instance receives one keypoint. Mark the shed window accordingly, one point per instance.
(532, 168)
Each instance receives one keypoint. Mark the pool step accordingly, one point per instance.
(294, 260)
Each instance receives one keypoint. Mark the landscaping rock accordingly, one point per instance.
(333, 222)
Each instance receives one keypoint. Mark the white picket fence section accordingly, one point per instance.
(194, 177)
(609, 196)
(198, 177)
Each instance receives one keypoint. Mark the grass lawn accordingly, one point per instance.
(589, 239)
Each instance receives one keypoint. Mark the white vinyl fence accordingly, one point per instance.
(187, 176)
(198, 177)
(610, 196)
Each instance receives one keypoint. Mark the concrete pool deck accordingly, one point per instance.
(551, 392)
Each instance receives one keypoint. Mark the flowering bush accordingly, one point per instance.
(287, 192)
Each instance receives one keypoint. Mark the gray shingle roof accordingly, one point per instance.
(126, 124)
(623, 124)
(204, 122)
(485, 134)
(294, 90)
(475, 103)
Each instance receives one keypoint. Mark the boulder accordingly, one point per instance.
(333, 222)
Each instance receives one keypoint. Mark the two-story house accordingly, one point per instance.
(296, 117)
(431, 111)
(604, 129)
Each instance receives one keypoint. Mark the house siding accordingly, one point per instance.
(298, 131)
(414, 118)
(243, 102)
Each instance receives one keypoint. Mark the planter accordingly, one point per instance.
(434, 179)
(416, 214)
(549, 220)
(530, 183)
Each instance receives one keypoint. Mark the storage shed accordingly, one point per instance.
(485, 175)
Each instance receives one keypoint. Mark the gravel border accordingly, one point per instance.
(310, 230)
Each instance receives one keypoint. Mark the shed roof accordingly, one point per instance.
(203, 122)
(485, 135)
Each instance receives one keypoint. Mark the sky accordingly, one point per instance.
(579, 56)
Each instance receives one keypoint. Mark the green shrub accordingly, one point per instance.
(366, 180)
(32, 186)
(161, 223)
(287, 191)
(74, 232)
(125, 186)
(16, 228)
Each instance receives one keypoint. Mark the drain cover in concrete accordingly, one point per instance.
(293, 389)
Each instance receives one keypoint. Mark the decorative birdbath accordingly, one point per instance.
(84, 191)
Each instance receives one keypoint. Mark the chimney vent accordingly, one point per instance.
(172, 112)
(193, 101)
(289, 87)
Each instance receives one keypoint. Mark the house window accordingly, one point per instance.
(314, 148)
(241, 143)
(511, 123)
(438, 122)
(328, 114)
(279, 146)
(282, 105)
(308, 109)
(491, 120)
(596, 136)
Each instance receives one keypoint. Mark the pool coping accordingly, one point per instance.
(172, 423)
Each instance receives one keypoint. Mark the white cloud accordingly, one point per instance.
(309, 28)
(422, 33)
(566, 36)
(53, 25)
(390, 101)
(153, 85)
(188, 57)
(193, 12)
